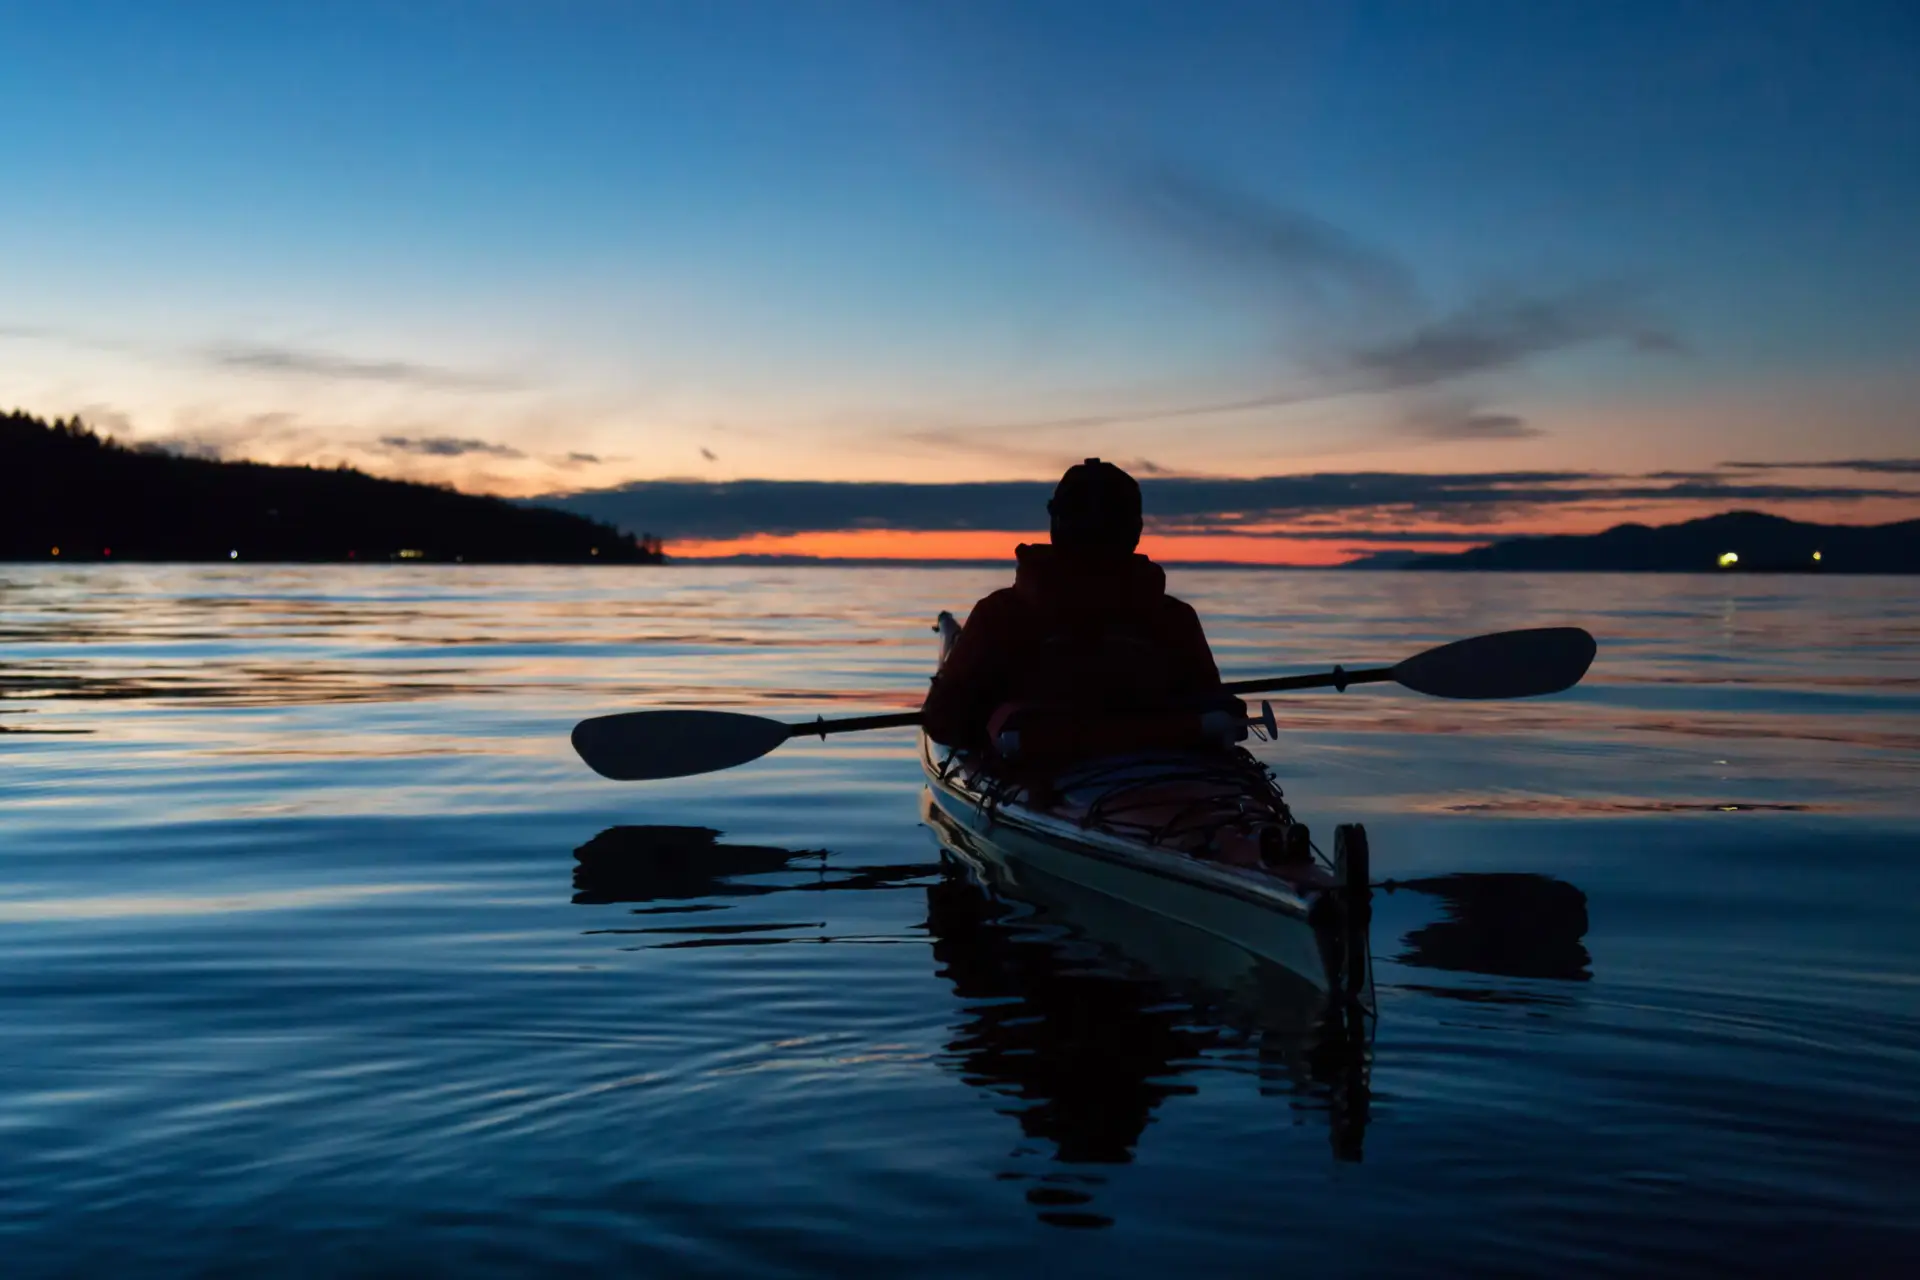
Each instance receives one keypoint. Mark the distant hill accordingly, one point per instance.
(67, 492)
(1758, 543)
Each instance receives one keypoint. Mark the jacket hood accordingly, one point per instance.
(1076, 582)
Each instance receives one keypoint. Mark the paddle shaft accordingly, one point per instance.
(854, 724)
(1336, 679)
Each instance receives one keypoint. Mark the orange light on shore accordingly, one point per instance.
(56, 551)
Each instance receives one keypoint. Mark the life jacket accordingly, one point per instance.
(1100, 633)
(1083, 656)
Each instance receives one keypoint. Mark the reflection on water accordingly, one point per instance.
(650, 864)
(1087, 1042)
(1502, 924)
(663, 863)
(1083, 1014)
(292, 976)
(1094, 1011)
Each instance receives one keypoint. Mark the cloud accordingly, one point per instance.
(1718, 491)
(278, 435)
(184, 447)
(1491, 334)
(583, 457)
(108, 420)
(326, 364)
(1881, 466)
(689, 509)
(709, 455)
(446, 447)
(1361, 323)
(1461, 422)
(1294, 255)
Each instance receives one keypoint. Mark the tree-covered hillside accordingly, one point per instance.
(66, 491)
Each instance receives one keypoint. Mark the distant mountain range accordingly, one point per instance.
(1737, 542)
(69, 494)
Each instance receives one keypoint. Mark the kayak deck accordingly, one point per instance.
(1294, 920)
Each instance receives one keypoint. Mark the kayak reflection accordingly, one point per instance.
(1503, 925)
(1086, 1012)
(658, 863)
(685, 864)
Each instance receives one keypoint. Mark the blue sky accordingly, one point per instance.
(846, 241)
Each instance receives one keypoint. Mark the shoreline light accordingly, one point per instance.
(1729, 558)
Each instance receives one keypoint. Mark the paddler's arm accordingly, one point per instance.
(971, 681)
(1192, 669)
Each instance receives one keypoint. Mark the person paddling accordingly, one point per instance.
(1085, 654)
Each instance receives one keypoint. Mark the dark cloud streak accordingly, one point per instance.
(1464, 423)
(326, 364)
(1879, 466)
(1302, 258)
(446, 447)
(695, 509)
(1368, 330)
(1492, 334)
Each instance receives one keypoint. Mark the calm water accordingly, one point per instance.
(321, 953)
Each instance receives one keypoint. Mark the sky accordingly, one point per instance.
(1410, 274)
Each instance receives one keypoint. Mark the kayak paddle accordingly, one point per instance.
(636, 746)
(1506, 664)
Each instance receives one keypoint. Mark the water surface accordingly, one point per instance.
(321, 953)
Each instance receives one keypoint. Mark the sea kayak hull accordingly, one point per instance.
(1256, 911)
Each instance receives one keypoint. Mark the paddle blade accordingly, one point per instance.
(636, 746)
(1507, 664)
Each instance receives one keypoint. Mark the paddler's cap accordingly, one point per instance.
(1096, 507)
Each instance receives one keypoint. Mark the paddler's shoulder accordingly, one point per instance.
(998, 606)
(1050, 573)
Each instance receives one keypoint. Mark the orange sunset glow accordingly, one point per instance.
(992, 544)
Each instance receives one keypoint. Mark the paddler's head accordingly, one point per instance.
(1096, 509)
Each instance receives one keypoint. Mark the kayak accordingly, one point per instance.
(1202, 838)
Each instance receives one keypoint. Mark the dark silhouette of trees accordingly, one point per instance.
(65, 490)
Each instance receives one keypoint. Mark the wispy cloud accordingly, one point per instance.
(1881, 466)
(1496, 333)
(1358, 320)
(447, 447)
(278, 435)
(1299, 259)
(709, 455)
(312, 363)
(1461, 421)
